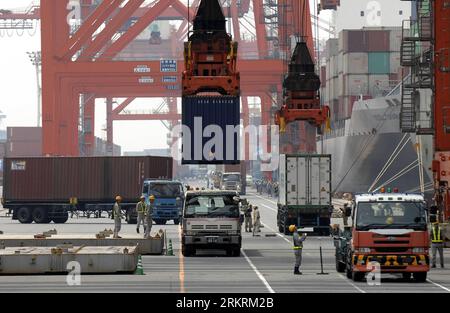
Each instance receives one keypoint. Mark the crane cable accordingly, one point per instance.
(403, 172)
(391, 159)
(420, 157)
(365, 146)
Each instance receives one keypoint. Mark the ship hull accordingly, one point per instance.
(364, 145)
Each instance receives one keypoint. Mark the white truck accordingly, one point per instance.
(211, 220)
(305, 192)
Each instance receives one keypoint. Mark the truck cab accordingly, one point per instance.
(169, 200)
(211, 220)
(390, 229)
(231, 181)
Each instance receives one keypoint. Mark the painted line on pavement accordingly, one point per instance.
(276, 233)
(258, 273)
(181, 270)
(438, 285)
(351, 284)
(265, 199)
(272, 209)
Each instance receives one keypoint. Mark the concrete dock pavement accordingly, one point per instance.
(266, 265)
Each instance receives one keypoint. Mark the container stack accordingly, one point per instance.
(360, 64)
(24, 142)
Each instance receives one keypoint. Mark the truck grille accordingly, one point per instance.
(393, 242)
(212, 227)
(226, 227)
(197, 227)
(391, 249)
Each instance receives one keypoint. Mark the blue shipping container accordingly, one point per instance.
(212, 123)
(379, 63)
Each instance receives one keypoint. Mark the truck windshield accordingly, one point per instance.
(231, 177)
(391, 215)
(211, 206)
(166, 190)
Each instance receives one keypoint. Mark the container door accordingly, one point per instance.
(325, 181)
(303, 182)
(292, 181)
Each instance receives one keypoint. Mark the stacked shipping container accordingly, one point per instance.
(361, 64)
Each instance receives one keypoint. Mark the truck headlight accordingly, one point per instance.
(362, 250)
(418, 250)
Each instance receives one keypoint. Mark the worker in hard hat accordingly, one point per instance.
(117, 215)
(345, 214)
(298, 248)
(256, 221)
(437, 245)
(148, 217)
(141, 208)
(248, 218)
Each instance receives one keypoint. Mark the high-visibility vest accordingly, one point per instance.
(140, 207)
(437, 236)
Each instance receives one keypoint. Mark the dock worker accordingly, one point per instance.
(141, 208)
(117, 215)
(248, 218)
(345, 214)
(148, 217)
(256, 221)
(437, 245)
(298, 248)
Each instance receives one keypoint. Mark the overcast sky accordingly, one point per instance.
(19, 100)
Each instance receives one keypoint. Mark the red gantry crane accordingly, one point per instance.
(430, 69)
(301, 96)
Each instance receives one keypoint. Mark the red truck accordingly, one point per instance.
(389, 229)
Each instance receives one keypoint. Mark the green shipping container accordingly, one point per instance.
(379, 63)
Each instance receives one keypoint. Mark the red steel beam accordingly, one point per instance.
(111, 28)
(53, 13)
(147, 117)
(87, 29)
(89, 122)
(261, 33)
(123, 105)
(136, 29)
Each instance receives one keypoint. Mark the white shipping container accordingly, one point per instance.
(331, 47)
(340, 86)
(356, 85)
(395, 62)
(395, 39)
(335, 89)
(328, 70)
(355, 63)
(305, 180)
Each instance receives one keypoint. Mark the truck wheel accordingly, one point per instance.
(187, 251)
(348, 273)
(348, 268)
(340, 267)
(61, 218)
(40, 216)
(358, 276)
(286, 230)
(24, 216)
(420, 277)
